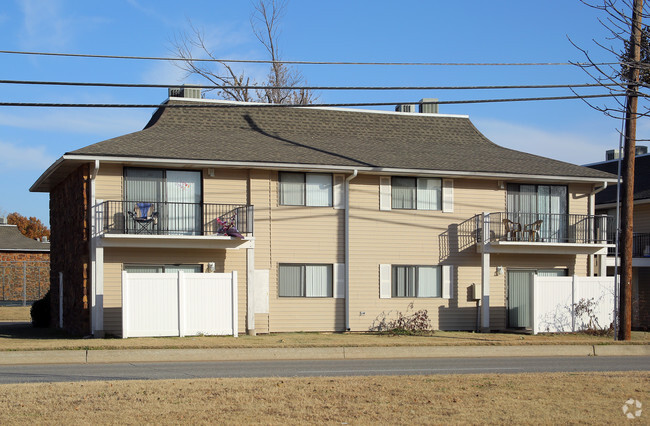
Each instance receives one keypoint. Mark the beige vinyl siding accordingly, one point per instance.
(228, 186)
(108, 183)
(115, 258)
(642, 218)
(416, 237)
(302, 234)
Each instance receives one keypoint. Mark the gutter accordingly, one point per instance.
(174, 162)
(347, 248)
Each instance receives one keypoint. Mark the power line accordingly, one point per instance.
(263, 61)
(261, 105)
(137, 85)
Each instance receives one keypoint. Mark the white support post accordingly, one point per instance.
(250, 286)
(485, 295)
(602, 265)
(486, 228)
(60, 299)
(235, 323)
(180, 285)
(532, 300)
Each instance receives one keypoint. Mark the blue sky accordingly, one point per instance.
(334, 30)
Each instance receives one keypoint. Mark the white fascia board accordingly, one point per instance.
(333, 168)
(46, 174)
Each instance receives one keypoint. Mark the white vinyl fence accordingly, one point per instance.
(554, 300)
(178, 304)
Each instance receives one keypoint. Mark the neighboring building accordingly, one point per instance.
(357, 214)
(606, 204)
(24, 266)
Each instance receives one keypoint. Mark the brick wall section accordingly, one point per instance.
(16, 267)
(69, 221)
(643, 320)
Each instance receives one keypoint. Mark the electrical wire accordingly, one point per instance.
(253, 87)
(263, 61)
(262, 105)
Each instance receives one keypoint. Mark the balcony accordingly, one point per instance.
(183, 225)
(549, 233)
(640, 251)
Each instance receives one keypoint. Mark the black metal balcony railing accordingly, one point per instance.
(544, 227)
(171, 218)
(640, 245)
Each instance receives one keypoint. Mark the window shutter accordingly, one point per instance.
(384, 193)
(339, 192)
(384, 281)
(339, 280)
(447, 281)
(447, 195)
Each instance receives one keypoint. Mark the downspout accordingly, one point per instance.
(93, 251)
(347, 248)
(592, 212)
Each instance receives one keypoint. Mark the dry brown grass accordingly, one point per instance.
(15, 313)
(542, 398)
(24, 337)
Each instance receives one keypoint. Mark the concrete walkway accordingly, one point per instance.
(259, 354)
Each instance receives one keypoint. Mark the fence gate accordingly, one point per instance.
(178, 304)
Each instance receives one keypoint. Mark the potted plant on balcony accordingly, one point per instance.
(227, 227)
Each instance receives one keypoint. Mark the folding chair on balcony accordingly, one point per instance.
(144, 216)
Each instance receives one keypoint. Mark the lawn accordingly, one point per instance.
(24, 337)
(540, 398)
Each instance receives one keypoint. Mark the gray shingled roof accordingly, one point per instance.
(330, 137)
(641, 179)
(11, 239)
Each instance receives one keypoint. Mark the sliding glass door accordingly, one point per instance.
(540, 209)
(172, 199)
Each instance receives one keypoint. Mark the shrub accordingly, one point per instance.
(40, 312)
(416, 323)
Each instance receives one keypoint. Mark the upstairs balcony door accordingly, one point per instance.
(173, 198)
(543, 208)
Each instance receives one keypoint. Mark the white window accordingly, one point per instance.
(416, 193)
(305, 189)
(305, 280)
(416, 281)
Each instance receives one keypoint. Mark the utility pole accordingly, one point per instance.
(627, 202)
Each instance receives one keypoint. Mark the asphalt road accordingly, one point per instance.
(306, 368)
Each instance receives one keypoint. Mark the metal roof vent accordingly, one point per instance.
(185, 92)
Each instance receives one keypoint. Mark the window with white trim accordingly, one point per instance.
(161, 269)
(305, 189)
(416, 281)
(305, 280)
(416, 193)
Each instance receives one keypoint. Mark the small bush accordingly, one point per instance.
(416, 323)
(40, 312)
(587, 307)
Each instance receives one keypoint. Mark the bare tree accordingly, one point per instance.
(615, 76)
(283, 82)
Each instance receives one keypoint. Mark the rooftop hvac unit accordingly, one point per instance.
(185, 92)
(613, 154)
(427, 106)
(406, 108)
(3, 220)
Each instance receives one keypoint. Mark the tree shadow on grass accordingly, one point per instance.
(25, 330)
